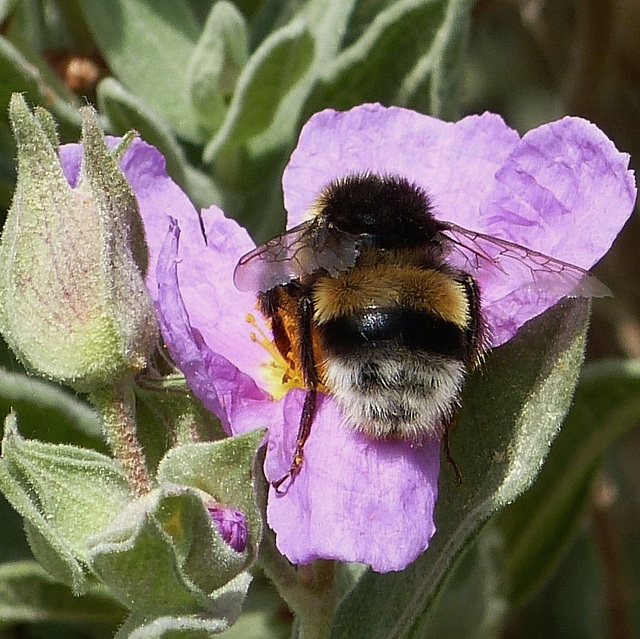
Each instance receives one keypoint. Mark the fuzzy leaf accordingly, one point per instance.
(193, 626)
(476, 590)
(28, 594)
(268, 76)
(511, 411)
(163, 33)
(65, 494)
(216, 63)
(40, 84)
(48, 412)
(538, 527)
(163, 555)
(402, 57)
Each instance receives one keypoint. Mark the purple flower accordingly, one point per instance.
(232, 525)
(562, 189)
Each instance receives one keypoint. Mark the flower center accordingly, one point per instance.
(279, 373)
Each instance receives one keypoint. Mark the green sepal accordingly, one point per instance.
(48, 125)
(163, 555)
(221, 53)
(28, 594)
(511, 411)
(229, 600)
(64, 494)
(116, 203)
(222, 469)
(539, 526)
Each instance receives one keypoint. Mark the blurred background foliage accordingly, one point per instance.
(222, 90)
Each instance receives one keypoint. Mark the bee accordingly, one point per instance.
(376, 302)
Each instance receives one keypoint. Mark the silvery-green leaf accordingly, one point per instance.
(404, 57)
(216, 63)
(223, 469)
(146, 45)
(163, 555)
(64, 494)
(47, 411)
(269, 75)
(195, 626)
(472, 602)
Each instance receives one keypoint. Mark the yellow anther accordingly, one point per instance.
(280, 374)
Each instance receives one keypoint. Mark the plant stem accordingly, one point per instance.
(310, 591)
(117, 408)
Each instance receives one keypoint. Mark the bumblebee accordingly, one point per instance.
(374, 301)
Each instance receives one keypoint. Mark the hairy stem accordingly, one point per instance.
(117, 408)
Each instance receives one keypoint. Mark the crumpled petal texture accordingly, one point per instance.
(561, 189)
(354, 500)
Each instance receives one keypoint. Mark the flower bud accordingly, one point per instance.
(231, 523)
(73, 303)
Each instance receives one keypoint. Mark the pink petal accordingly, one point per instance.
(354, 499)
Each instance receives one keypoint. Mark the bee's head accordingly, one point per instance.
(390, 211)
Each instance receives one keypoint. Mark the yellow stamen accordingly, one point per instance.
(280, 374)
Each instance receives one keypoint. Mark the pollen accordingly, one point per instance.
(279, 373)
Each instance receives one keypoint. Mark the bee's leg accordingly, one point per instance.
(311, 381)
(447, 451)
(476, 333)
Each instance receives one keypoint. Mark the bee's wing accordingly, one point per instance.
(300, 251)
(501, 261)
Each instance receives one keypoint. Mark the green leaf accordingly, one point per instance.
(13, 545)
(268, 76)
(435, 83)
(163, 33)
(510, 413)
(216, 63)
(177, 627)
(28, 594)
(171, 408)
(573, 605)
(49, 412)
(475, 590)
(222, 469)
(405, 56)
(538, 527)
(6, 7)
(65, 494)
(264, 614)
(252, 174)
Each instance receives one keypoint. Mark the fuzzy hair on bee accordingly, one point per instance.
(365, 301)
